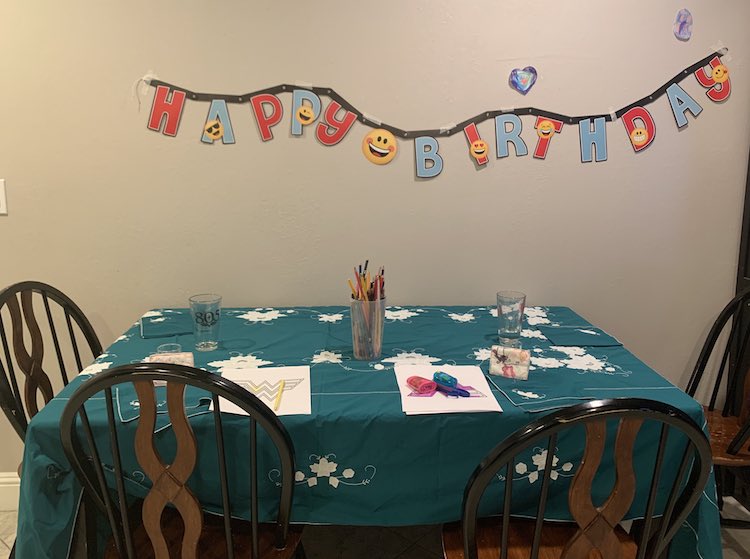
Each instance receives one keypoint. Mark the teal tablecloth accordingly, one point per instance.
(359, 459)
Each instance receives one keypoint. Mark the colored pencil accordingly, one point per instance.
(278, 396)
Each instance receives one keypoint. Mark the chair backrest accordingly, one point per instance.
(169, 481)
(34, 319)
(727, 338)
(595, 523)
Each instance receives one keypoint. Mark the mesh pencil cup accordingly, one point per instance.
(367, 328)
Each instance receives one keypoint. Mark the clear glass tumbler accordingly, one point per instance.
(367, 328)
(510, 306)
(206, 312)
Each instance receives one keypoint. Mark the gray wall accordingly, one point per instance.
(125, 219)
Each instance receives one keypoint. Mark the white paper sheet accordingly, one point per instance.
(481, 400)
(265, 383)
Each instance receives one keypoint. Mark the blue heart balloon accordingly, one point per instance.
(523, 80)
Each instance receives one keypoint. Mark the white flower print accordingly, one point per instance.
(397, 313)
(326, 467)
(547, 362)
(323, 468)
(528, 333)
(152, 314)
(160, 319)
(466, 317)
(540, 460)
(536, 316)
(95, 368)
(579, 359)
(482, 354)
(260, 315)
(240, 362)
(333, 318)
(592, 332)
(527, 395)
(411, 358)
(327, 357)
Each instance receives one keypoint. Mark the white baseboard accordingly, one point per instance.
(10, 486)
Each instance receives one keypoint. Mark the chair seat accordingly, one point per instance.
(555, 536)
(723, 430)
(212, 543)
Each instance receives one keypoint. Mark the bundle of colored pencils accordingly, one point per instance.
(366, 288)
(368, 309)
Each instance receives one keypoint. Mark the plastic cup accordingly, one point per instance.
(206, 312)
(510, 306)
(367, 328)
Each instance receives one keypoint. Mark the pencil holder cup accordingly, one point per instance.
(367, 328)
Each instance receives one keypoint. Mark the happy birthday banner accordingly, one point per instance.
(380, 145)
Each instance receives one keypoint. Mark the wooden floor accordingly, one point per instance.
(415, 542)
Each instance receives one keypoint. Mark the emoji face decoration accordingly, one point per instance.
(545, 129)
(214, 129)
(639, 137)
(720, 73)
(379, 147)
(305, 115)
(478, 149)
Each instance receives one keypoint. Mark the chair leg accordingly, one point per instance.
(300, 552)
(13, 552)
(719, 476)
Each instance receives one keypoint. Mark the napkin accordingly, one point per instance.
(510, 362)
(582, 336)
(165, 323)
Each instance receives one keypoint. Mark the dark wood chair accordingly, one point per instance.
(596, 528)
(722, 366)
(42, 319)
(169, 522)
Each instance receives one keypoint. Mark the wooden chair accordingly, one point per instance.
(26, 356)
(726, 345)
(20, 303)
(596, 528)
(169, 523)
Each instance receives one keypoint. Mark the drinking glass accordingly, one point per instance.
(206, 312)
(367, 328)
(510, 306)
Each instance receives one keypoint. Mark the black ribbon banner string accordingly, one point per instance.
(442, 132)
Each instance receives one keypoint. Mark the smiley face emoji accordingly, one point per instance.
(720, 74)
(214, 129)
(379, 147)
(478, 149)
(305, 115)
(545, 129)
(639, 137)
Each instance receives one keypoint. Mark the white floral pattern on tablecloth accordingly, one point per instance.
(536, 316)
(464, 317)
(325, 468)
(264, 315)
(411, 358)
(576, 358)
(327, 357)
(96, 367)
(529, 333)
(397, 313)
(538, 461)
(332, 318)
(482, 354)
(248, 361)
